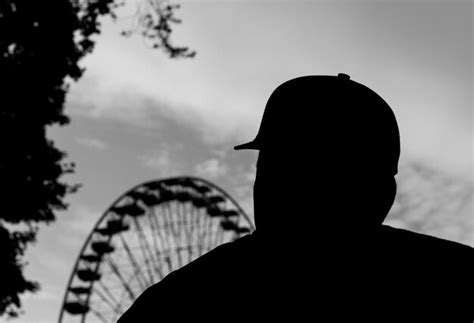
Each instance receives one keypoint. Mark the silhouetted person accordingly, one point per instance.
(328, 154)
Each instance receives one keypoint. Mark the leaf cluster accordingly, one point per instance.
(41, 46)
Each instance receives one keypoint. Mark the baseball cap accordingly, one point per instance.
(331, 109)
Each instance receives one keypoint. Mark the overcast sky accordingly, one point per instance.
(137, 115)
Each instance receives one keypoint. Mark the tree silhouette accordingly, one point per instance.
(41, 45)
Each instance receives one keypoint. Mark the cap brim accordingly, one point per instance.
(249, 145)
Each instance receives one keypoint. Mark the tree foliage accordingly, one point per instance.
(41, 45)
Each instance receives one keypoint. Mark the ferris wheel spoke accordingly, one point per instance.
(218, 237)
(178, 220)
(199, 230)
(186, 211)
(199, 234)
(192, 213)
(98, 314)
(172, 211)
(110, 295)
(174, 226)
(213, 234)
(147, 233)
(194, 224)
(116, 271)
(140, 275)
(144, 247)
(163, 238)
(167, 223)
(154, 222)
(153, 252)
(188, 223)
(166, 244)
(188, 229)
(203, 235)
(181, 223)
(196, 232)
(155, 244)
(114, 307)
(209, 231)
(159, 228)
(188, 226)
(184, 239)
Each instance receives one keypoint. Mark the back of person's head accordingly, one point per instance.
(328, 154)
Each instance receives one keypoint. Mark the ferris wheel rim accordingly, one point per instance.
(121, 197)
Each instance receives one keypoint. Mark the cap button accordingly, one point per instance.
(343, 76)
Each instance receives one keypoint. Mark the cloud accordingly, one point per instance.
(159, 161)
(92, 143)
(212, 168)
(132, 105)
(163, 162)
(434, 202)
(132, 86)
(122, 102)
(222, 92)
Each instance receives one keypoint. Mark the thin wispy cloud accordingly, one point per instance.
(92, 143)
(212, 168)
(127, 103)
(161, 162)
(123, 102)
(434, 202)
(225, 97)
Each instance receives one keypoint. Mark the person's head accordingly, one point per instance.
(328, 154)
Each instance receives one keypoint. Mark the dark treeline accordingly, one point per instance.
(41, 46)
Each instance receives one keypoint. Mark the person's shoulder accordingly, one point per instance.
(422, 238)
(198, 279)
(223, 260)
(432, 272)
(223, 256)
(414, 242)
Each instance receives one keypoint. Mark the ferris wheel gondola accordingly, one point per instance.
(148, 232)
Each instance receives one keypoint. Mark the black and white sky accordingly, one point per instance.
(137, 115)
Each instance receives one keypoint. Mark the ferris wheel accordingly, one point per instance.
(149, 231)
